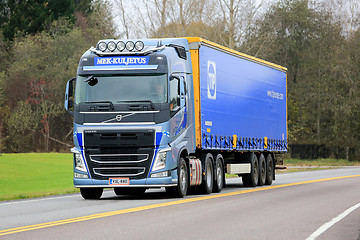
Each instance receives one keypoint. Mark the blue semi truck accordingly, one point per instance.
(175, 113)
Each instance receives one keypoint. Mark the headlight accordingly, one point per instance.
(160, 160)
(139, 45)
(102, 46)
(78, 161)
(111, 46)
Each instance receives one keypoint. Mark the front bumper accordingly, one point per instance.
(148, 182)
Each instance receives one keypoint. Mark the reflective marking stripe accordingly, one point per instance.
(198, 172)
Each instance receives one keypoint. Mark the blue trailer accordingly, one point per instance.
(174, 113)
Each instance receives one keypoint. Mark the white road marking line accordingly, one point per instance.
(332, 222)
(11, 202)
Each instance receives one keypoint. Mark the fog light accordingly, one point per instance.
(130, 45)
(120, 46)
(111, 46)
(80, 175)
(139, 45)
(160, 174)
(102, 46)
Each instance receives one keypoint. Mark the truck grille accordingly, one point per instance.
(119, 154)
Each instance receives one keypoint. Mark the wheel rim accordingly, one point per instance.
(183, 178)
(208, 175)
(256, 170)
(270, 169)
(219, 176)
(263, 170)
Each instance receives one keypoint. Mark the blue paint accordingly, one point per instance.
(79, 138)
(240, 97)
(123, 61)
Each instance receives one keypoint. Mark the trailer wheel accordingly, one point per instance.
(91, 193)
(183, 175)
(219, 173)
(262, 170)
(269, 169)
(251, 179)
(129, 190)
(208, 180)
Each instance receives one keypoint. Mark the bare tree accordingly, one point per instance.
(123, 18)
(238, 16)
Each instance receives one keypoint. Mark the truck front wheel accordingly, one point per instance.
(183, 175)
(91, 193)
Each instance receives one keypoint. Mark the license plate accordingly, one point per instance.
(119, 181)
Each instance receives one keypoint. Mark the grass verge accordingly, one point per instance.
(321, 162)
(28, 175)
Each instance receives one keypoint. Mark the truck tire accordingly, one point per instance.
(129, 190)
(91, 193)
(269, 169)
(208, 180)
(251, 179)
(183, 175)
(219, 174)
(262, 170)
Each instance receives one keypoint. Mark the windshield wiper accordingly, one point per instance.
(140, 101)
(111, 105)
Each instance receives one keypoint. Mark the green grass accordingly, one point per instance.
(27, 175)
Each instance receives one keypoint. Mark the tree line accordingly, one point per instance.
(318, 41)
(41, 42)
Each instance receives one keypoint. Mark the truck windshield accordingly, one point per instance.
(120, 89)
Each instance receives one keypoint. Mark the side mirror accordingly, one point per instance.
(69, 94)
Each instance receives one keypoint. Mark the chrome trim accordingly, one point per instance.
(115, 118)
(93, 49)
(118, 123)
(119, 175)
(165, 149)
(115, 155)
(134, 112)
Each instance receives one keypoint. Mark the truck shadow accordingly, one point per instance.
(160, 193)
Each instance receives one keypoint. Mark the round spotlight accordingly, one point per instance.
(139, 45)
(121, 46)
(102, 46)
(130, 45)
(111, 46)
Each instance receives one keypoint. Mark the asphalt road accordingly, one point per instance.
(321, 204)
